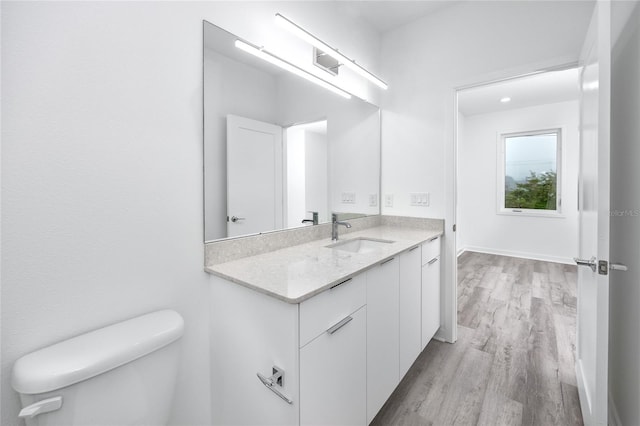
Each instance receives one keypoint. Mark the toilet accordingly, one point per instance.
(123, 374)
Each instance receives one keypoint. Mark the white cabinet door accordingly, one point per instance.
(410, 308)
(383, 359)
(430, 299)
(333, 375)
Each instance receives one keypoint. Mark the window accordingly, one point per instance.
(529, 173)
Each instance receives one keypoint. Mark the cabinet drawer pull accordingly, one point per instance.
(412, 249)
(387, 261)
(432, 261)
(432, 239)
(339, 325)
(340, 283)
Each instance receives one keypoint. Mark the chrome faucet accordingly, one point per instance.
(334, 226)
(314, 220)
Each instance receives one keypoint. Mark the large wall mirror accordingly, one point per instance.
(278, 149)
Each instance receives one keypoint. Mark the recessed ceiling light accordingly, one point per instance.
(505, 100)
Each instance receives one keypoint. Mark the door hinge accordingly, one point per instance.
(603, 267)
(455, 227)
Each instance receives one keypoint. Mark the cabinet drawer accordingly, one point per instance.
(333, 376)
(430, 249)
(328, 308)
(430, 300)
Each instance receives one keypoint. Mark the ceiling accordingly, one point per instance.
(319, 127)
(539, 89)
(390, 14)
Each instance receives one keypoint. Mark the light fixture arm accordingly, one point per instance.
(263, 54)
(315, 41)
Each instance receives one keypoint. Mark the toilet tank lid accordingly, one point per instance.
(96, 352)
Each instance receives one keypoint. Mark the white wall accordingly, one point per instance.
(480, 227)
(468, 43)
(624, 291)
(102, 168)
(471, 42)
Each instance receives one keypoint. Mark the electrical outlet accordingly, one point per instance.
(388, 200)
(420, 199)
(373, 200)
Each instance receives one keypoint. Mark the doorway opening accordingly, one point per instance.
(517, 179)
(517, 219)
(306, 174)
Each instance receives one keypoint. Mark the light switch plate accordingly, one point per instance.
(420, 199)
(373, 200)
(388, 200)
(348, 198)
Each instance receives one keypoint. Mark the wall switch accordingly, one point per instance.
(420, 199)
(373, 200)
(388, 200)
(348, 197)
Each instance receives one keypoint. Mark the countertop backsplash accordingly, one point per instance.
(222, 251)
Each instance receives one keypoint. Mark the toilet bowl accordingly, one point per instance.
(123, 374)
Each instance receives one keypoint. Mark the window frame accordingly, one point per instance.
(501, 175)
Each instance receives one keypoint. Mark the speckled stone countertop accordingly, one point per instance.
(296, 273)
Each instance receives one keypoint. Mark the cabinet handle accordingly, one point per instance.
(432, 261)
(387, 261)
(340, 283)
(412, 249)
(432, 239)
(339, 325)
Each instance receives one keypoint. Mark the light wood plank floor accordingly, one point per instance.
(513, 363)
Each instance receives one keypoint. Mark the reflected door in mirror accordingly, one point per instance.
(254, 176)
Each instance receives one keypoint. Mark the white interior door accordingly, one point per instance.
(254, 176)
(593, 280)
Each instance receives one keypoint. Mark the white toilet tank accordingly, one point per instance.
(120, 375)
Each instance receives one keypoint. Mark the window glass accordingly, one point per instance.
(530, 171)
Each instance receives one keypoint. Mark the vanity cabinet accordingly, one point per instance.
(383, 328)
(410, 307)
(430, 289)
(342, 352)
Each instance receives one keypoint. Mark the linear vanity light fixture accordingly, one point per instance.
(266, 56)
(315, 41)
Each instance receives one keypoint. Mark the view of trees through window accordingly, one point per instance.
(530, 179)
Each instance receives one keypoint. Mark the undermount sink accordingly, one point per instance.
(359, 245)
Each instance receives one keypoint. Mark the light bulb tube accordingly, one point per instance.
(316, 42)
(287, 66)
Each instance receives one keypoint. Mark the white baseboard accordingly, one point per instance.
(523, 255)
(614, 417)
